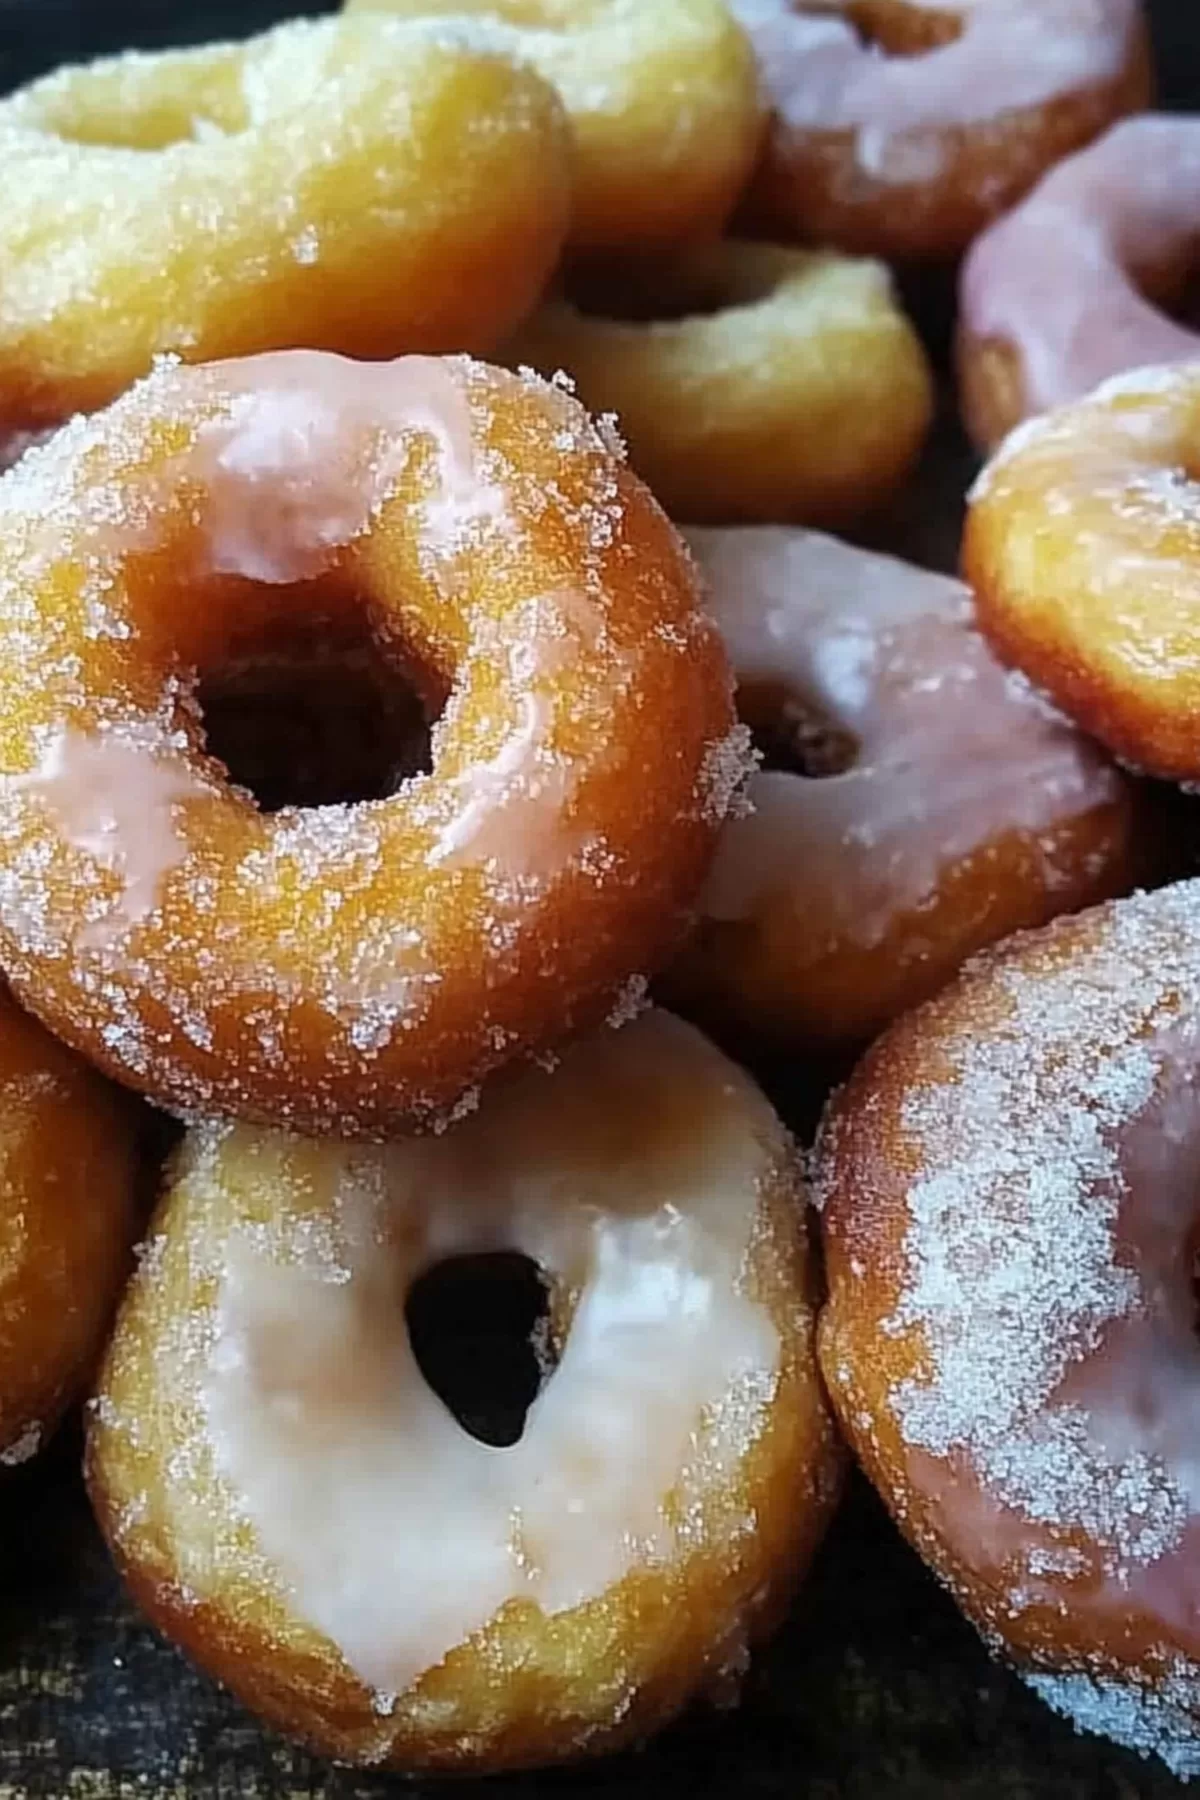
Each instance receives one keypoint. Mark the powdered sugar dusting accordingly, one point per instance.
(1156, 1718)
(1053, 1421)
(23, 1447)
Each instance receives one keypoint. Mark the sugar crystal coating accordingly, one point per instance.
(266, 1448)
(1032, 1200)
(244, 196)
(585, 755)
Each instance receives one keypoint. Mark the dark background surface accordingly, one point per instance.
(876, 1691)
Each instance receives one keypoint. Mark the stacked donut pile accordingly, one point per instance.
(385, 728)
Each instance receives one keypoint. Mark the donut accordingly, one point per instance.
(352, 967)
(1060, 295)
(1082, 544)
(362, 185)
(903, 127)
(753, 382)
(663, 101)
(914, 805)
(1010, 1227)
(69, 1176)
(292, 1504)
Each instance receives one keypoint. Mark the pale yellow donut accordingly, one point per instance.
(291, 1501)
(663, 96)
(362, 185)
(754, 384)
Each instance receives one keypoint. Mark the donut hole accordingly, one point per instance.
(1172, 284)
(896, 27)
(1181, 298)
(699, 287)
(793, 735)
(318, 720)
(481, 1332)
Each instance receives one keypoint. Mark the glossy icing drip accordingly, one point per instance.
(397, 1534)
(1056, 280)
(952, 752)
(1009, 54)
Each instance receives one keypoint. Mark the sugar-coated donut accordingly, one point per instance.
(69, 1177)
(292, 1503)
(362, 185)
(1055, 298)
(908, 154)
(663, 100)
(1010, 1225)
(1082, 543)
(752, 382)
(346, 967)
(916, 802)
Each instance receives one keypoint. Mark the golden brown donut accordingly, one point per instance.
(292, 1503)
(662, 98)
(1009, 1197)
(1082, 544)
(348, 967)
(1063, 293)
(916, 803)
(753, 383)
(903, 127)
(69, 1177)
(361, 185)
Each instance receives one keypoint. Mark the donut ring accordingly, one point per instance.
(1052, 299)
(1009, 1339)
(69, 1174)
(781, 384)
(184, 203)
(347, 968)
(1082, 547)
(916, 804)
(909, 154)
(673, 1479)
(663, 102)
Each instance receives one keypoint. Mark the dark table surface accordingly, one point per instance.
(876, 1690)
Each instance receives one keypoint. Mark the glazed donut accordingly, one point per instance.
(752, 382)
(367, 186)
(347, 968)
(292, 1503)
(69, 1175)
(908, 154)
(1010, 1227)
(1052, 299)
(1082, 547)
(916, 804)
(663, 101)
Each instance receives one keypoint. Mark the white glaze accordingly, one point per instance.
(118, 800)
(953, 752)
(281, 913)
(1011, 54)
(301, 451)
(396, 1533)
(312, 445)
(1055, 280)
